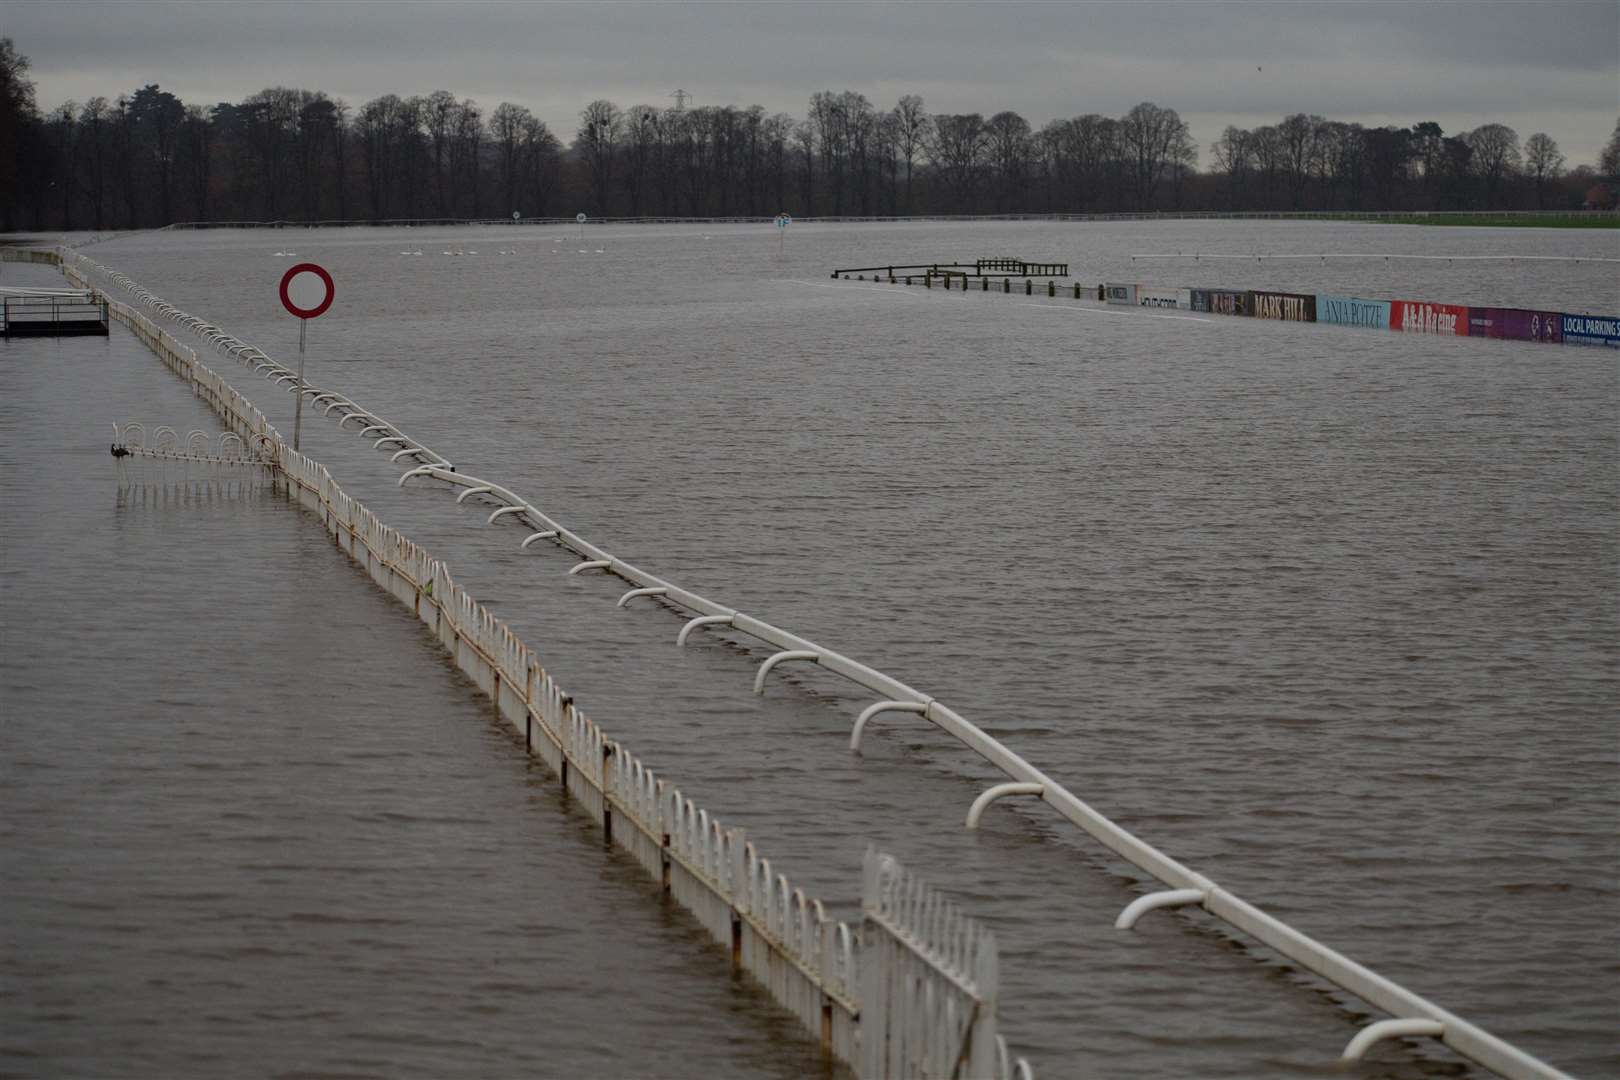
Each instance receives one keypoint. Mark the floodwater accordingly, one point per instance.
(1328, 614)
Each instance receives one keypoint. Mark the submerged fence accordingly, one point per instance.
(1408, 316)
(1411, 1014)
(929, 969)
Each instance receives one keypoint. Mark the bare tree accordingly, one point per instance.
(957, 150)
(640, 152)
(439, 117)
(1343, 157)
(1544, 162)
(1495, 156)
(828, 127)
(466, 151)
(1266, 143)
(376, 125)
(340, 157)
(64, 133)
(804, 145)
(1302, 150)
(540, 153)
(1183, 162)
(859, 122)
(911, 136)
(17, 107)
(599, 126)
(1609, 160)
(1233, 156)
(1149, 134)
(507, 125)
(778, 136)
(93, 146)
(1008, 147)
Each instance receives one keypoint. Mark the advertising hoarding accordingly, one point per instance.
(1592, 330)
(1516, 324)
(1420, 317)
(1121, 294)
(1220, 301)
(1289, 307)
(1352, 311)
(1179, 299)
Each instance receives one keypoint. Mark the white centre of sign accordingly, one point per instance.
(306, 290)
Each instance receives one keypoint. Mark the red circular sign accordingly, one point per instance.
(327, 292)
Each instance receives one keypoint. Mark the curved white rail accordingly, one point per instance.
(873, 710)
(1372, 1034)
(1153, 902)
(1000, 791)
(702, 620)
(781, 658)
(1464, 1038)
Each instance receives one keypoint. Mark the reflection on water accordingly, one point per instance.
(166, 492)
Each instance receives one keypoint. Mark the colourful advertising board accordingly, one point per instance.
(1516, 324)
(1121, 294)
(1289, 307)
(1420, 317)
(1592, 330)
(1180, 299)
(1220, 301)
(1352, 311)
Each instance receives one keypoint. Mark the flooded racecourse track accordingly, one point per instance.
(1328, 614)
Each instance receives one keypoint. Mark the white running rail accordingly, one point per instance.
(1188, 886)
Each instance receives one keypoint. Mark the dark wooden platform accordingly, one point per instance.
(52, 316)
(978, 268)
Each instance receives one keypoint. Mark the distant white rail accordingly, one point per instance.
(1458, 1034)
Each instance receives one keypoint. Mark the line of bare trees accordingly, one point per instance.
(1308, 161)
(146, 158)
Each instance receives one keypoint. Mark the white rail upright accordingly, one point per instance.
(1461, 1036)
(929, 978)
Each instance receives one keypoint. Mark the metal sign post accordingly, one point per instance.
(306, 293)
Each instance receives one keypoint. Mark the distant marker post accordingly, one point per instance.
(580, 217)
(306, 293)
(782, 223)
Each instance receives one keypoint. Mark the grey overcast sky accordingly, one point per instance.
(1544, 65)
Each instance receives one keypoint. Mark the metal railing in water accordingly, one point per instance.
(1411, 1014)
(928, 970)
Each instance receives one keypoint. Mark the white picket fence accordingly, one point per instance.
(783, 938)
